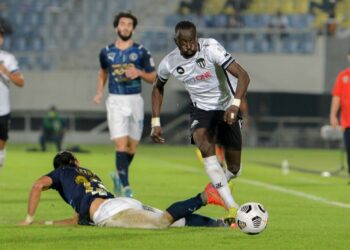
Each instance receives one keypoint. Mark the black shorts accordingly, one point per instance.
(4, 127)
(226, 135)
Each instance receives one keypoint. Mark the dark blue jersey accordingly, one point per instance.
(78, 187)
(116, 61)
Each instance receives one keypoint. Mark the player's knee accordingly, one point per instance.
(235, 169)
(206, 149)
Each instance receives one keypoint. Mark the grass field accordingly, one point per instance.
(306, 211)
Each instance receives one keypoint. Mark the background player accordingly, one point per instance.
(124, 63)
(9, 73)
(214, 113)
(94, 205)
(341, 101)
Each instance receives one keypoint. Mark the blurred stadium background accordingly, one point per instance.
(57, 43)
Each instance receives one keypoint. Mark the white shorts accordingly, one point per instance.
(125, 115)
(130, 213)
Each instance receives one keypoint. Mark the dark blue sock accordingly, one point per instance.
(197, 220)
(122, 163)
(130, 158)
(181, 209)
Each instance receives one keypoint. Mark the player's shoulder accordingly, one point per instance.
(140, 47)
(207, 42)
(344, 72)
(5, 54)
(108, 48)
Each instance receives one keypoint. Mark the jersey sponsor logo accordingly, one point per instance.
(201, 77)
(201, 62)
(180, 70)
(346, 79)
(119, 69)
(133, 56)
(111, 56)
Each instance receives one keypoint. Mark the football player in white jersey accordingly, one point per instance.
(215, 117)
(9, 73)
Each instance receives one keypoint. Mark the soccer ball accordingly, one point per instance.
(252, 218)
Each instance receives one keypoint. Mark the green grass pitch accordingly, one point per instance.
(306, 211)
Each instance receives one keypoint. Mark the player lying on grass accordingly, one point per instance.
(95, 205)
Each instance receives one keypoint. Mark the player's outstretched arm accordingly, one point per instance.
(101, 81)
(39, 185)
(157, 100)
(242, 85)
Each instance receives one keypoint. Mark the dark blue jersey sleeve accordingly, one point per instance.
(55, 176)
(103, 59)
(147, 61)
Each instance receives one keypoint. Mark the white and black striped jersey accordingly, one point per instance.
(10, 62)
(204, 75)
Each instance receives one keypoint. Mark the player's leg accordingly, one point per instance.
(230, 137)
(2, 152)
(4, 129)
(118, 114)
(135, 128)
(347, 147)
(205, 141)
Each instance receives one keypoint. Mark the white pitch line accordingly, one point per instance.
(295, 193)
(189, 168)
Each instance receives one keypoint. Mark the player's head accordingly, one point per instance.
(124, 24)
(186, 38)
(64, 158)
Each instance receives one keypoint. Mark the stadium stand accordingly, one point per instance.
(57, 43)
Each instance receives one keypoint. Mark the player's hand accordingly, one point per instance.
(334, 121)
(132, 72)
(156, 135)
(230, 115)
(97, 98)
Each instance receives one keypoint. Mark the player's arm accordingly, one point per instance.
(16, 77)
(39, 185)
(242, 85)
(132, 73)
(335, 106)
(101, 82)
(157, 100)
(65, 222)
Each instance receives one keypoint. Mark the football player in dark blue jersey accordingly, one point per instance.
(124, 63)
(94, 205)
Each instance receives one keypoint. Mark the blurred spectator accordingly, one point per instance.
(191, 6)
(52, 129)
(327, 6)
(278, 24)
(340, 102)
(5, 26)
(238, 5)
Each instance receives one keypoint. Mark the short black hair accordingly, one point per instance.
(185, 25)
(127, 15)
(64, 158)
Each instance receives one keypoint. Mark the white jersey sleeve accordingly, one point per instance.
(11, 63)
(163, 71)
(217, 54)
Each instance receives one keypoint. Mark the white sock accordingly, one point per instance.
(218, 179)
(2, 157)
(230, 175)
